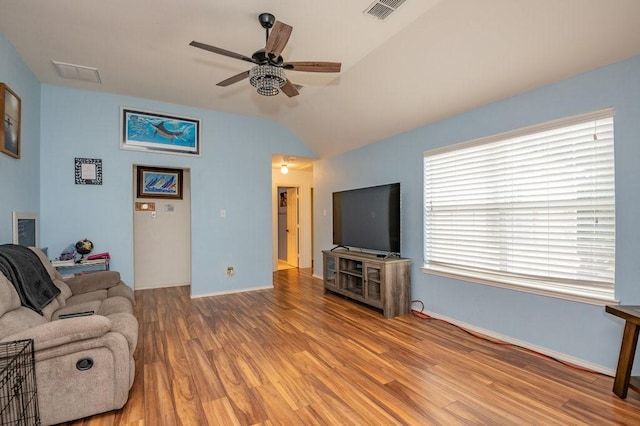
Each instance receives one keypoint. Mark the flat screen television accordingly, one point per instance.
(368, 218)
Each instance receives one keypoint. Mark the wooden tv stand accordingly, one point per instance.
(384, 283)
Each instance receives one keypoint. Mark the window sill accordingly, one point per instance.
(574, 297)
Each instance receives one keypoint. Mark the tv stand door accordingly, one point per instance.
(374, 283)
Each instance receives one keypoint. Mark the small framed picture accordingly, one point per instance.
(156, 182)
(88, 171)
(10, 105)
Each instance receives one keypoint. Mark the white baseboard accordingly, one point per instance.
(546, 351)
(221, 293)
(317, 276)
(161, 286)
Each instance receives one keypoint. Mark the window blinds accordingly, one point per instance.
(532, 208)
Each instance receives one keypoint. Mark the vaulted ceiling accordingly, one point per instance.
(430, 59)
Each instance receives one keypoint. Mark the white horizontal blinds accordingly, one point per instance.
(534, 208)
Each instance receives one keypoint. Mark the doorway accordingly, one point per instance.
(288, 228)
(300, 179)
(162, 238)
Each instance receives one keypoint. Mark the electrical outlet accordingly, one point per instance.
(230, 271)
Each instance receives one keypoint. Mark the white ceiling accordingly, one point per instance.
(429, 60)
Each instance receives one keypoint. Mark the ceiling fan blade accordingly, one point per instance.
(313, 66)
(236, 78)
(222, 51)
(290, 89)
(278, 38)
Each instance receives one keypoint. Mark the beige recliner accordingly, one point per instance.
(84, 342)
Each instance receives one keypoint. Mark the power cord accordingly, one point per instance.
(420, 314)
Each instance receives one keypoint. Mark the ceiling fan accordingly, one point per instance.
(268, 76)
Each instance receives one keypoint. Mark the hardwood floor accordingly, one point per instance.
(295, 356)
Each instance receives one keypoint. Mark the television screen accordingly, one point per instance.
(368, 218)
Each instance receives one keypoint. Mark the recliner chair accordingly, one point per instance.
(84, 364)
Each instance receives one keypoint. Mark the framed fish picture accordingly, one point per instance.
(157, 182)
(158, 132)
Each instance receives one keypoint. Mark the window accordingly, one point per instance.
(532, 209)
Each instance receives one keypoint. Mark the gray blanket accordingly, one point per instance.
(28, 275)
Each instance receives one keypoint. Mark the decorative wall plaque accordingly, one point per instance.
(88, 171)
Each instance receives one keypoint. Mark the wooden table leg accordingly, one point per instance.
(625, 362)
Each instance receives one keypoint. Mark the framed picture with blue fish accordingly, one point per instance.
(158, 132)
(157, 182)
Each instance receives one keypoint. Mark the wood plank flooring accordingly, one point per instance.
(295, 356)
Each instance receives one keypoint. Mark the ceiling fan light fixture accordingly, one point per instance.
(267, 79)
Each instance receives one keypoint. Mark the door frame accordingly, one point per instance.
(141, 239)
(293, 221)
(304, 219)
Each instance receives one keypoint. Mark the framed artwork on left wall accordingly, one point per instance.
(88, 171)
(10, 104)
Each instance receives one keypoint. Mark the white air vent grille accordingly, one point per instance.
(381, 9)
(77, 72)
(393, 4)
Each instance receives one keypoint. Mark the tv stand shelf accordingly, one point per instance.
(383, 283)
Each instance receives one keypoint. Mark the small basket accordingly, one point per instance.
(18, 396)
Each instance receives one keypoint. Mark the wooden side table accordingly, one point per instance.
(623, 380)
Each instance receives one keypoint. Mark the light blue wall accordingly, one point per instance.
(580, 330)
(19, 178)
(233, 173)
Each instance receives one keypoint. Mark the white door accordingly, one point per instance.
(292, 226)
(162, 241)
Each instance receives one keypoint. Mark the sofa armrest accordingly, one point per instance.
(62, 332)
(101, 280)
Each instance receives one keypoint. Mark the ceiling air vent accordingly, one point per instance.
(77, 72)
(381, 9)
